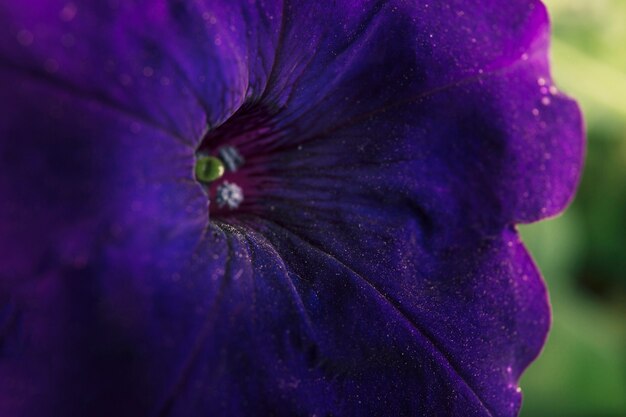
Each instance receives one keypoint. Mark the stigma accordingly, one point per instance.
(210, 170)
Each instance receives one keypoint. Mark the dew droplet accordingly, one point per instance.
(25, 37)
(68, 13)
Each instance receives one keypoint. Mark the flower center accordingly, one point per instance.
(209, 171)
(229, 157)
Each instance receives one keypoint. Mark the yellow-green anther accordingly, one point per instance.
(208, 168)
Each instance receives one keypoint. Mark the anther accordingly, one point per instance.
(229, 194)
(231, 157)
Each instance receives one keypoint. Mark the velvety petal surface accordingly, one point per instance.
(373, 268)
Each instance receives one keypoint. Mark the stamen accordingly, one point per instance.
(231, 157)
(229, 194)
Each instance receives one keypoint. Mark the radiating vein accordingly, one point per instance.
(434, 347)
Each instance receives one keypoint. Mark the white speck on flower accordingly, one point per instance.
(229, 194)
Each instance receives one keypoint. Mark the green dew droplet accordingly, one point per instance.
(208, 168)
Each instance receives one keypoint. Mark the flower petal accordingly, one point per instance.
(100, 212)
(177, 65)
(462, 89)
(407, 177)
(378, 273)
(447, 334)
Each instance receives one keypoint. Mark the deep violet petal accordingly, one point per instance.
(373, 268)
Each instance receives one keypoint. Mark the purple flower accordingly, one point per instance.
(255, 207)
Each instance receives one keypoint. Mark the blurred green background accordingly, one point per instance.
(582, 254)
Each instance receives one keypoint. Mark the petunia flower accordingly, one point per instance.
(275, 208)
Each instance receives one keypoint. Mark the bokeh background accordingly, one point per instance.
(582, 254)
